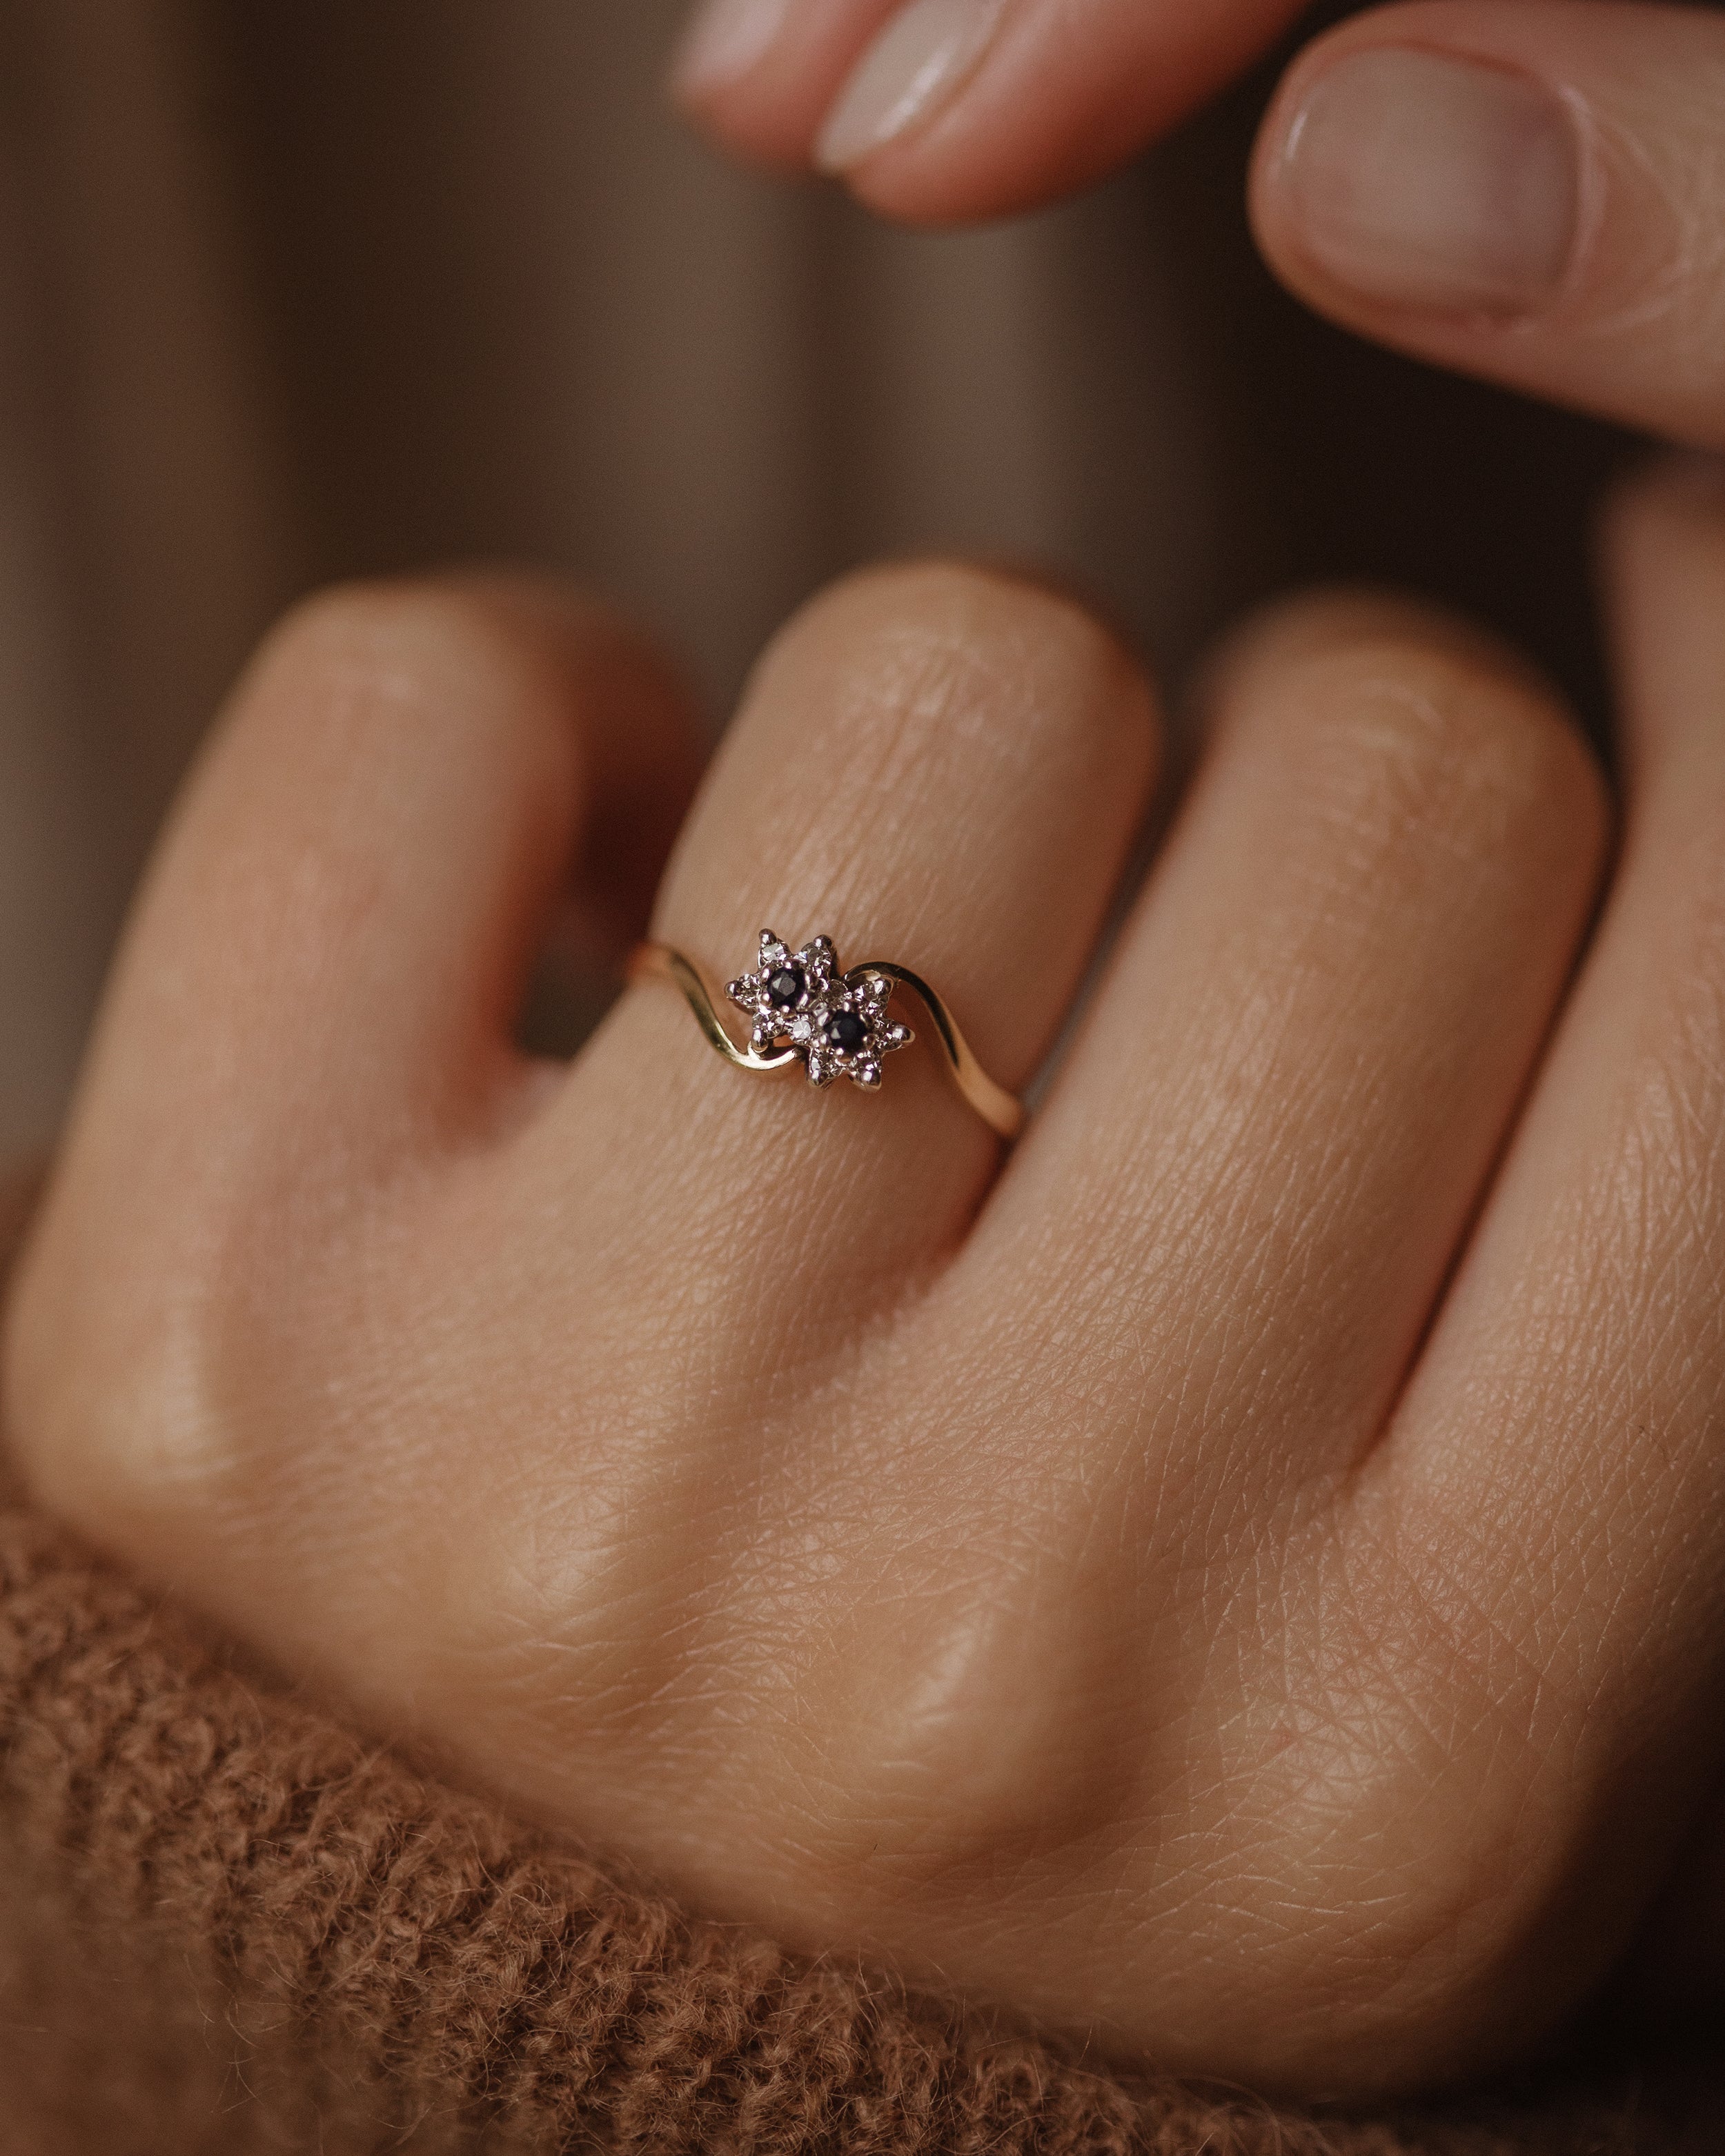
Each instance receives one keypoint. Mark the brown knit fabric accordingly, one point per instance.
(226, 1926)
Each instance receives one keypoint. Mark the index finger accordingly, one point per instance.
(939, 111)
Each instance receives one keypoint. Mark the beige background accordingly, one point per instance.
(290, 291)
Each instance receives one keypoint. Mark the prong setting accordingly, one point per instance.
(837, 1022)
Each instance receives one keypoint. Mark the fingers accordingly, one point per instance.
(1525, 191)
(315, 994)
(936, 766)
(1186, 1310)
(942, 110)
(325, 963)
(1257, 1161)
(458, 1417)
(1560, 1450)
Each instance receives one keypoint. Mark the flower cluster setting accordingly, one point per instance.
(836, 1022)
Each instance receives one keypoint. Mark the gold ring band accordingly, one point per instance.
(809, 1015)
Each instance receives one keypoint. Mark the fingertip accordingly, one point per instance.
(964, 110)
(1511, 192)
(1268, 195)
(992, 622)
(489, 677)
(1266, 206)
(919, 65)
(1310, 623)
(1324, 646)
(757, 77)
(410, 781)
(723, 42)
(947, 111)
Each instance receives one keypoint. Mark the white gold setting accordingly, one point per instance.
(803, 1010)
(836, 1022)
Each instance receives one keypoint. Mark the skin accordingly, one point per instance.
(1629, 329)
(1239, 1580)
(1634, 330)
(1218, 1580)
(1073, 88)
(1069, 90)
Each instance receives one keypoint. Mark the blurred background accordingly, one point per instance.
(294, 289)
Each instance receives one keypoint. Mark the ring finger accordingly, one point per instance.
(1268, 1142)
(936, 766)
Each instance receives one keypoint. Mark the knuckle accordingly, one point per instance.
(1428, 1978)
(461, 654)
(355, 656)
(1424, 1879)
(357, 623)
(1428, 1821)
(984, 1738)
(108, 1397)
(944, 644)
(1407, 743)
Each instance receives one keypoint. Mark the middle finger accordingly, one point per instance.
(1253, 1175)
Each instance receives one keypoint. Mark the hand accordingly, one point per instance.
(941, 109)
(1240, 1578)
(1529, 190)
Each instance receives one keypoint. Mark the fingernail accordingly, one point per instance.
(919, 62)
(725, 39)
(1425, 181)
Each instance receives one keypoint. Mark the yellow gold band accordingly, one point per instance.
(833, 1024)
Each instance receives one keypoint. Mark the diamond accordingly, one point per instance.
(836, 1023)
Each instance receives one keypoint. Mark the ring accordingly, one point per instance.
(806, 1011)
